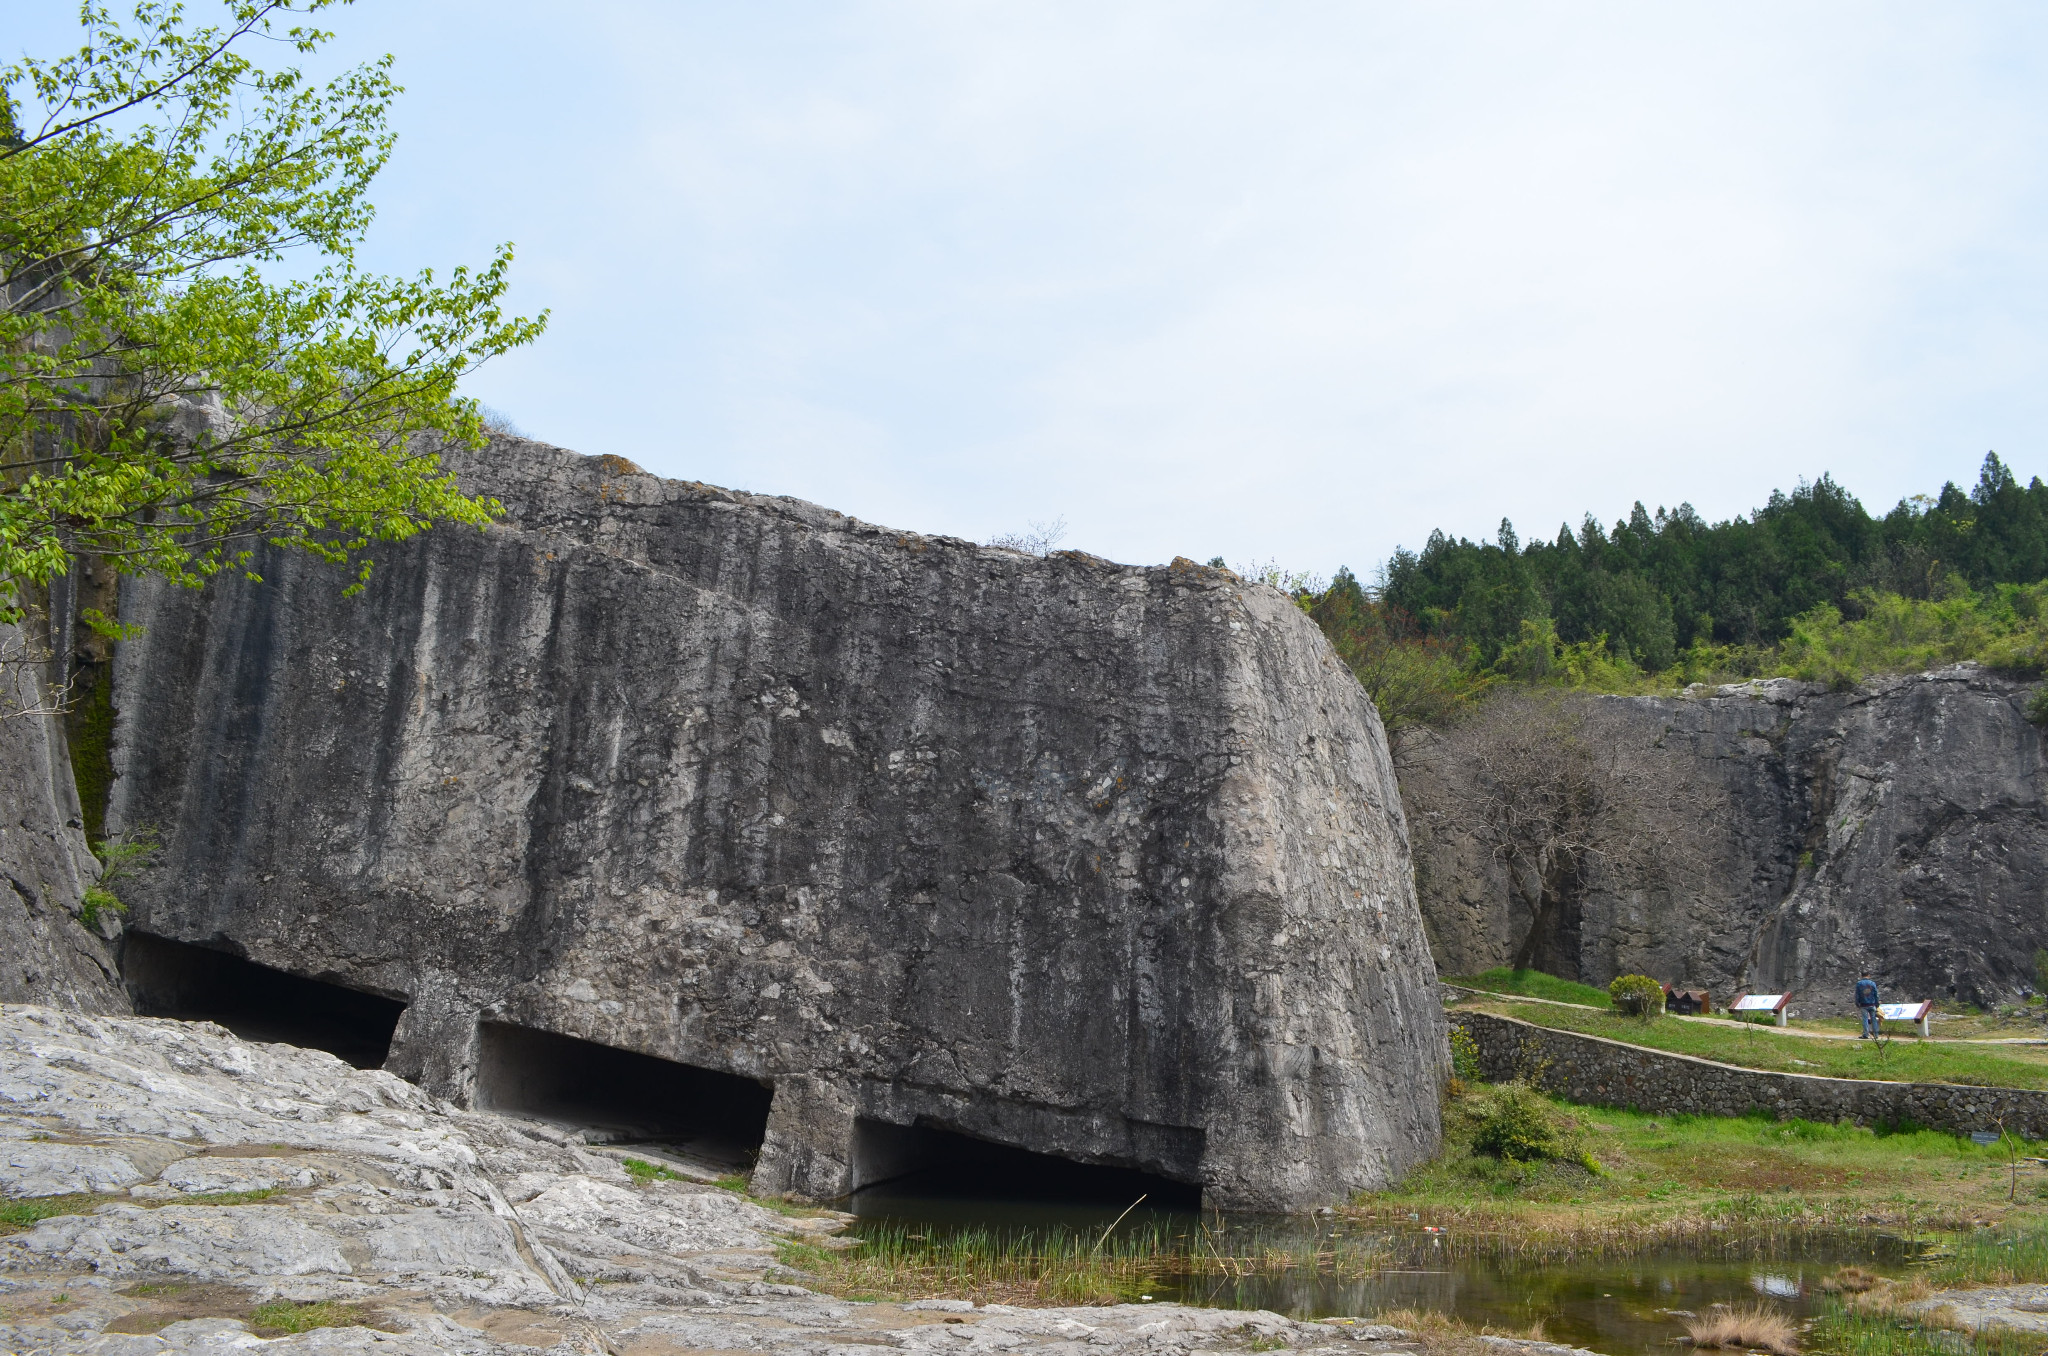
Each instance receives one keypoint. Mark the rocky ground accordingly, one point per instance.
(218, 1184)
(2020, 1307)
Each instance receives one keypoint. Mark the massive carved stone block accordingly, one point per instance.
(1099, 861)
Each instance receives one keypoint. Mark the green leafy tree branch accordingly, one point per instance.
(165, 405)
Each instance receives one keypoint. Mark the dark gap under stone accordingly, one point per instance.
(257, 1003)
(904, 1163)
(620, 1097)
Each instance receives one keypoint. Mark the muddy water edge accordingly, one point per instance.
(1330, 1267)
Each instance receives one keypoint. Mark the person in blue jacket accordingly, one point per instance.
(1866, 1003)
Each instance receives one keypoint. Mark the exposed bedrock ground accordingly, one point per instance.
(1903, 825)
(205, 1176)
(1100, 861)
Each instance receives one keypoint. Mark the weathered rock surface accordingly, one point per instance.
(46, 954)
(458, 1232)
(1099, 861)
(2023, 1308)
(1903, 825)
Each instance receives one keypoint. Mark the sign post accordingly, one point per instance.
(1916, 1013)
(1772, 1003)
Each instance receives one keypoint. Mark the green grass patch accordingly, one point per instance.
(26, 1212)
(281, 1317)
(1897, 1060)
(1535, 984)
(1730, 1185)
(644, 1172)
(733, 1182)
(17, 1213)
(1994, 1257)
(1841, 1330)
(221, 1198)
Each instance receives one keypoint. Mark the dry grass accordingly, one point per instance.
(1850, 1281)
(1442, 1335)
(1752, 1327)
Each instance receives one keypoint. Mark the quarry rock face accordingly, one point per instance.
(1097, 861)
(47, 954)
(1902, 826)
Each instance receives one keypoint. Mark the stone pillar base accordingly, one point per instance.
(808, 1151)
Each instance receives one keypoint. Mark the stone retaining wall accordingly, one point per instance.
(1599, 1072)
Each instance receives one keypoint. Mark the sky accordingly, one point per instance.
(1290, 282)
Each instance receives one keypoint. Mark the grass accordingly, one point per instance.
(1056, 1267)
(1749, 1327)
(1843, 1330)
(1899, 1060)
(18, 1213)
(644, 1172)
(2002, 1257)
(1726, 1186)
(893, 1261)
(1535, 984)
(220, 1198)
(1440, 1334)
(281, 1317)
(27, 1212)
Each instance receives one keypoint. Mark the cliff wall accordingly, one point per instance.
(47, 955)
(1098, 861)
(1903, 826)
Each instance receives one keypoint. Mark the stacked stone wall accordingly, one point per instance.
(1599, 1072)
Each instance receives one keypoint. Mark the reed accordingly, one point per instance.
(1069, 1266)
(1750, 1327)
(1758, 1228)
(1843, 1330)
(1987, 1257)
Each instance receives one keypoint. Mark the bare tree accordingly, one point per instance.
(1557, 795)
(1039, 541)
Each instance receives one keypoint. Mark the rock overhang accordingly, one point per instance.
(1100, 860)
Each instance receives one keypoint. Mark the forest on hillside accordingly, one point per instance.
(1811, 585)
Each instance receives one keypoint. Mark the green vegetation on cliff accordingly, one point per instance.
(1810, 586)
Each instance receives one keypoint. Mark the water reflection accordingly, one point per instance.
(1310, 1268)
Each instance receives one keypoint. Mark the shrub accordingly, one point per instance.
(1518, 1126)
(97, 904)
(1465, 1056)
(1637, 995)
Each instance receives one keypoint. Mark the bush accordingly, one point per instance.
(1637, 996)
(1518, 1126)
(1465, 1056)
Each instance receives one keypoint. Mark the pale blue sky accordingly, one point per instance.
(1295, 281)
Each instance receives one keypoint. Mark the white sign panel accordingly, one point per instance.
(1757, 1002)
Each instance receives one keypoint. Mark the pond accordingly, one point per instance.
(1317, 1268)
